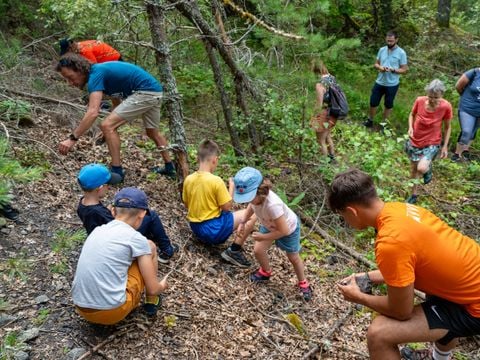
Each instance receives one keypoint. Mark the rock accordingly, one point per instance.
(331, 260)
(41, 299)
(5, 318)
(75, 353)
(21, 355)
(29, 334)
(4, 230)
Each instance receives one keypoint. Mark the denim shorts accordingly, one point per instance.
(214, 231)
(378, 91)
(427, 152)
(289, 243)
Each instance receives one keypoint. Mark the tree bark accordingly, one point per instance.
(156, 20)
(190, 10)
(224, 98)
(443, 13)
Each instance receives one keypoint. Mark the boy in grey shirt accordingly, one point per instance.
(117, 264)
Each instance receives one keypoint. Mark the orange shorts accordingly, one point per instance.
(134, 291)
(322, 121)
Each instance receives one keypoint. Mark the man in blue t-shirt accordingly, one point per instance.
(391, 62)
(141, 94)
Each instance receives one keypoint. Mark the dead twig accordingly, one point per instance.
(103, 343)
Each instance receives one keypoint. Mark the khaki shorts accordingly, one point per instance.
(322, 121)
(134, 291)
(142, 103)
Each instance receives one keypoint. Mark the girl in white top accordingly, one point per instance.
(278, 223)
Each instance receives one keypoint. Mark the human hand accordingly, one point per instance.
(410, 131)
(386, 69)
(349, 289)
(65, 146)
(444, 153)
(257, 236)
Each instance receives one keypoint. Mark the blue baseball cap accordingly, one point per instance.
(92, 176)
(131, 198)
(247, 181)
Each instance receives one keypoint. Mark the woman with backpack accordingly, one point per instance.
(330, 105)
(468, 86)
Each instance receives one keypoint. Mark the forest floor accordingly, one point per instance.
(210, 311)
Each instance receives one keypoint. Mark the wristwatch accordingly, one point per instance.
(72, 137)
(394, 71)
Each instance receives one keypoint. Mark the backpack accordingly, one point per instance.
(338, 101)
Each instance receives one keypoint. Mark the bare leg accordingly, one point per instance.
(386, 114)
(154, 258)
(330, 142)
(237, 217)
(260, 250)
(414, 175)
(384, 334)
(322, 141)
(160, 141)
(109, 128)
(298, 266)
(372, 112)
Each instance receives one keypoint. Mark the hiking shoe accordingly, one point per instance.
(170, 173)
(427, 177)
(407, 353)
(368, 123)
(306, 292)
(455, 158)
(236, 258)
(258, 277)
(152, 303)
(164, 258)
(10, 213)
(412, 199)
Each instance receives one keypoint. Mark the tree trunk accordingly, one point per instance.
(386, 15)
(156, 20)
(224, 99)
(190, 10)
(443, 13)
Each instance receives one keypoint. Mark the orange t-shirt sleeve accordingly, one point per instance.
(88, 54)
(396, 264)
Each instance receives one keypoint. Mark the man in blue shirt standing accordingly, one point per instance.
(141, 94)
(391, 62)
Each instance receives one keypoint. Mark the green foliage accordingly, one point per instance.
(10, 345)
(15, 110)
(291, 204)
(16, 268)
(296, 322)
(41, 316)
(66, 240)
(30, 156)
(9, 52)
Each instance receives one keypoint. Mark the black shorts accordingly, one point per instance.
(443, 314)
(378, 91)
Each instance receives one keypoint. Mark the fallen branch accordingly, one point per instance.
(102, 344)
(324, 342)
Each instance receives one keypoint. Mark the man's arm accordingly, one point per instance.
(378, 66)
(461, 84)
(447, 130)
(411, 121)
(86, 123)
(401, 70)
(149, 275)
(397, 304)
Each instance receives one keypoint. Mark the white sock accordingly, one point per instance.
(439, 354)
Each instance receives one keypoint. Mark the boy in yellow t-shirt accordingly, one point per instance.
(414, 249)
(209, 202)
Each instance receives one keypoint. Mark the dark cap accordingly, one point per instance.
(131, 198)
(64, 45)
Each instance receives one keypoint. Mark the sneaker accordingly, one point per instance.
(427, 177)
(10, 213)
(151, 305)
(118, 174)
(170, 173)
(455, 158)
(306, 292)
(407, 353)
(368, 123)
(257, 277)
(164, 258)
(412, 199)
(236, 258)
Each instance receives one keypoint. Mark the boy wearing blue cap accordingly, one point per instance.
(209, 202)
(92, 179)
(117, 264)
(278, 223)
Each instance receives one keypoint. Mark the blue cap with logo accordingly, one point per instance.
(132, 198)
(92, 176)
(247, 181)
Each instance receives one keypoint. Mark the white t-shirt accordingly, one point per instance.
(271, 209)
(102, 270)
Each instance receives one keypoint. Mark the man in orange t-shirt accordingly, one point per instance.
(94, 51)
(425, 132)
(414, 249)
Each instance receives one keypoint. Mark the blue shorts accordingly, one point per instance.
(378, 91)
(214, 231)
(416, 154)
(289, 243)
